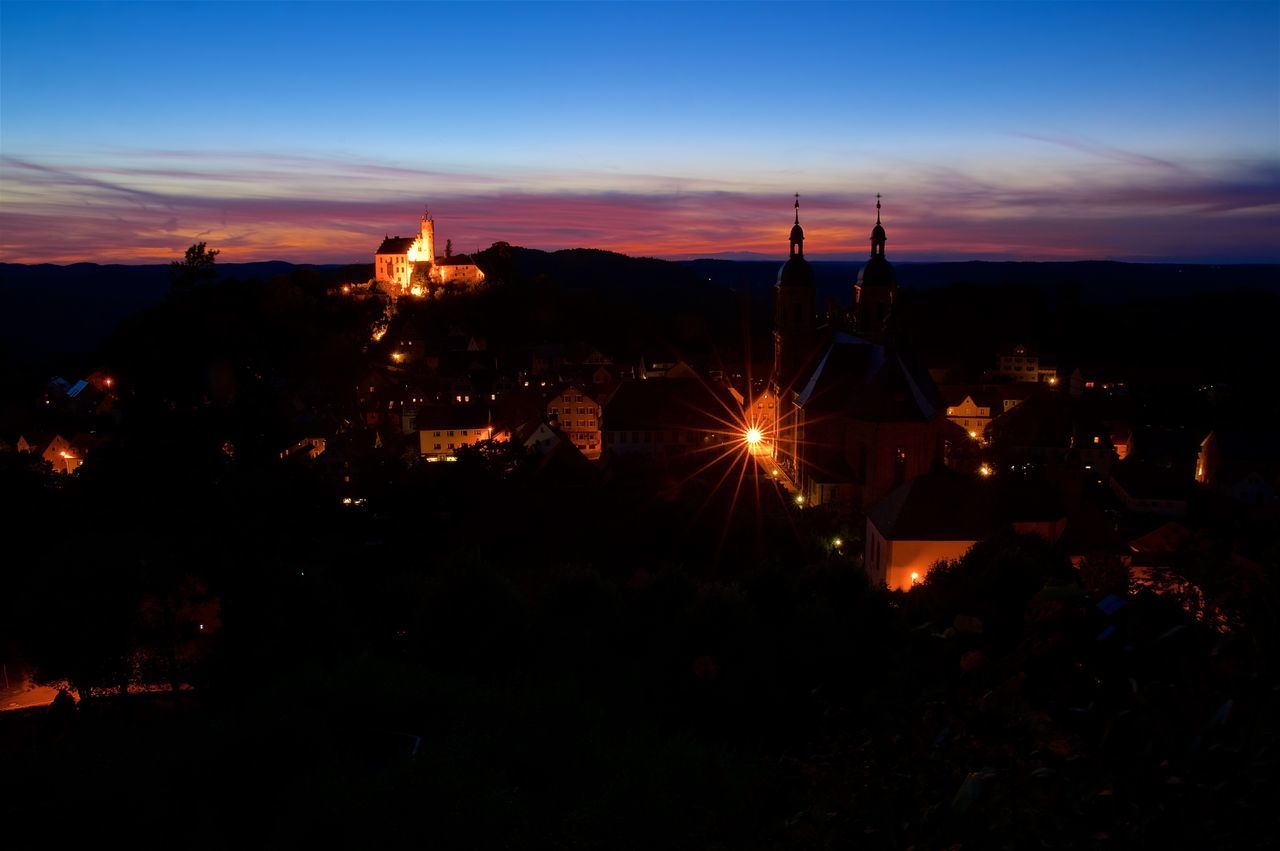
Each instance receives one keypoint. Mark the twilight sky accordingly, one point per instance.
(305, 132)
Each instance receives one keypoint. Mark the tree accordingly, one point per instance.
(196, 266)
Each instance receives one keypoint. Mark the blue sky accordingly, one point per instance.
(305, 131)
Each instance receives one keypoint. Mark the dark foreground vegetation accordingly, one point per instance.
(478, 655)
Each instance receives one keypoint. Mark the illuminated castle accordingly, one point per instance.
(410, 266)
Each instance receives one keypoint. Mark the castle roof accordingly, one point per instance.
(395, 245)
(455, 260)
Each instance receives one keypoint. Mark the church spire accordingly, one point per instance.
(877, 233)
(797, 233)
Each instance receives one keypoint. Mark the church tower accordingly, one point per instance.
(877, 288)
(793, 317)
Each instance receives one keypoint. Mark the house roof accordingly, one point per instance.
(1243, 451)
(1047, 421)
(946, 505)
(870, 381)
(433, 417)
(941, 505)
(669, 403)
(1148, 481)
(395, 245)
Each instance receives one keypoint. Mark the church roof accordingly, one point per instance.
(395, 245)
(870, 382)
(796, 272)
(877, 271)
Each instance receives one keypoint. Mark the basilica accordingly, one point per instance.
(852, 414)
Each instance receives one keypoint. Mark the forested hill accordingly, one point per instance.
(47, 309)
(1097, 281)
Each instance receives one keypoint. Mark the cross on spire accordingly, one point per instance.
(797, 208)
(877, 208)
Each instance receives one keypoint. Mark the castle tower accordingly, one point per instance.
(793, 317)
(427, 239)
(876, 289)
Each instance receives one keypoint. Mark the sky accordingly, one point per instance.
(308, 131)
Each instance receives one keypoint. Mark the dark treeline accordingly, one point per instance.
(636, 659)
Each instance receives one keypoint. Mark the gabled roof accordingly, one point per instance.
(395, 245)
(455, 260)
(435, 417)
(941, 505)
(669, 403)
(1142, 480)
(869, 381)
(946, 505)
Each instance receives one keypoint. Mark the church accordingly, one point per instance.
(856, 416)
(410, 266)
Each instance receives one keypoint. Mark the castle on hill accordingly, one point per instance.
(404, 266)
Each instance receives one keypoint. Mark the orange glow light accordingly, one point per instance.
(754, 436)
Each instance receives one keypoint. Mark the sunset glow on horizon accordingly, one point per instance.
(994, 131)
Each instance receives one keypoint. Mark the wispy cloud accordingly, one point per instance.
(123, 206)
(1101, 151)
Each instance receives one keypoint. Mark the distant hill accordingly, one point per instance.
(1098, 281)
(47, 309)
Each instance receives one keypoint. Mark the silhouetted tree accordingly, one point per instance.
(196, 266)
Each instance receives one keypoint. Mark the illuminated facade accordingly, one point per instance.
(577, 415)
(410, 266)
(970, 416)
(1023, 365)
(444, 429)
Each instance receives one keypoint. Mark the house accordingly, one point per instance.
(577, 413)
(62, 455)
(1050, 429)
(444, 429)
(1023, 364)
(1146, 488)
(1243, 464)
(931, 518)
(669, 417)
(938, 516)
(971, 411)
